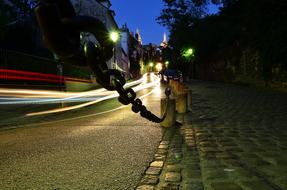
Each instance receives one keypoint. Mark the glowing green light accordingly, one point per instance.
(167, 62)
(114, 36)
(151, 64)
(188, 53)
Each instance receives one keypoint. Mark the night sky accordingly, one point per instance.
(141, 14)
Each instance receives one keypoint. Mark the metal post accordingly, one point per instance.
(114, 52)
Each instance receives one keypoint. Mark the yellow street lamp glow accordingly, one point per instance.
(151, 64)
(167, 62)
(114, 36)
(158, 67)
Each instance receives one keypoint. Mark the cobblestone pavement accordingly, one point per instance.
(234, 138)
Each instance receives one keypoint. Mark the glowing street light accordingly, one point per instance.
(158, 67)
(188, 53)
(166, 63)
(114, 36)
(150, 68)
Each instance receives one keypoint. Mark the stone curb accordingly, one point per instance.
(152, 173)
(176, 164)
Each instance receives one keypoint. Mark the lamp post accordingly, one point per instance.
(166, 64)
(188, 54)
(151, 66)
(114, 36)
(158, 67)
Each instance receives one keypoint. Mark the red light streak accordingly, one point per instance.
(7, 77)
(9, 74)
(8, 71)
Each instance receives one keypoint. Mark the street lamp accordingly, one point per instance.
(190, 51)
(187, 53)
(158, 67)
(151, 65)
(114, 36)
(166, 64)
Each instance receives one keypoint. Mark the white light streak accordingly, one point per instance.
(155, 82)
(21, 96)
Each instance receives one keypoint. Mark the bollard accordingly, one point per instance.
(170, 119)
(169, 81)
(185, 88)
(181, 102)
(182, 88)
(177, 87)
(172, 85)
(189, 99)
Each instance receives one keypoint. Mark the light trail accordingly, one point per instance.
(96, 114)
(10, 74)
(155, 82)
(21, 96)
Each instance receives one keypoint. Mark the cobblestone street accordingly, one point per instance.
(234, 138)
(241, 136)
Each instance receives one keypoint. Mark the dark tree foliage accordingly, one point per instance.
(168, 55)
(222, 40)
(179, 11)
(266, 28)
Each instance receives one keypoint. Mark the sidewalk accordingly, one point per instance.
(234, 138)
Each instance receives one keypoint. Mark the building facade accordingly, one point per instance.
(136, 54)
(100, 9)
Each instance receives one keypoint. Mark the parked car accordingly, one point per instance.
(172, 74)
